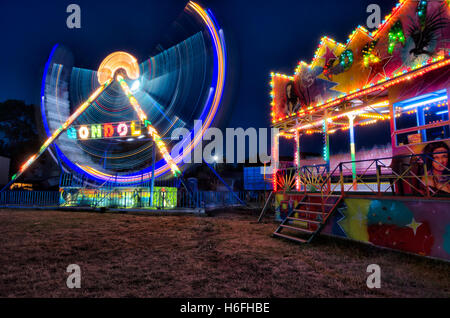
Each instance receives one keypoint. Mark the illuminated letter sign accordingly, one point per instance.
(122, 129)
(83, 132)
(96, 131)
(111, 130)
(72, 133)
(135, 129)
(108, 130)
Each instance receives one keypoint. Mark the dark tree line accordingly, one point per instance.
(19, 137)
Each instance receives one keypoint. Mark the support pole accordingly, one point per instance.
(224, 183)
(326, 143)
(266, 206)
(298, 159)
(420, 116)
(106, 155)
(152, 186)
(393, 126)
(351, 119)
(275, 158)
(326, 151)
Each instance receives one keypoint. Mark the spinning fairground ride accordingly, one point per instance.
(396, 77)
(110, 129)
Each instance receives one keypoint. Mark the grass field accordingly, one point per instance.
(225, 255)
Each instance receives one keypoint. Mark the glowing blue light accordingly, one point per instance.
(427, 99)
(135, 86)
(426, 102)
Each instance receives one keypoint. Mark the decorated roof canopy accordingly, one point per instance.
(352, 79)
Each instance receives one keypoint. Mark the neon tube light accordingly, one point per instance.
(137, 108)
(425, 102)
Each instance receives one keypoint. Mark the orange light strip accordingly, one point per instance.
(61, 129)
(115, 61)
(137, 108)
(163, 149)
(356, 112)
(399, 77)
(388, 18)
(151, 129)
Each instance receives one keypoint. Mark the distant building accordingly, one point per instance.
(4, 170)
(255, 179)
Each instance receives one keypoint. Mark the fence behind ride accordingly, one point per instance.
(139, 198)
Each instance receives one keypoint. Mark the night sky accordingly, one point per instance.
(263, 36)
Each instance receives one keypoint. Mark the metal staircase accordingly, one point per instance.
(308, 218)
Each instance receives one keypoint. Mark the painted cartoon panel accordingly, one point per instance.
(419, 227)
(428, 172)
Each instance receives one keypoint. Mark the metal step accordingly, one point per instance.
(317, 204)
(323, 214)
(311, 212)
(304, 220)
(299, 229)
(317, 195)
(296, 239)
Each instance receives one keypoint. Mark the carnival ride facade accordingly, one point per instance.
(110, 129)
(398, 74)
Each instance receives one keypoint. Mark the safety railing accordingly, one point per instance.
(29, 198)
(424, 175)
(119, 199)
(142, 198)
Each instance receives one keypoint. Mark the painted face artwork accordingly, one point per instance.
(292, 99)
(440, 160)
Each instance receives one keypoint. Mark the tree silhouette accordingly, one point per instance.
(18, 133)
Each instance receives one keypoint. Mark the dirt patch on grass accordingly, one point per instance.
(226, 255)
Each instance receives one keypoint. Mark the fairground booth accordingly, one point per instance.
(396, 76)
